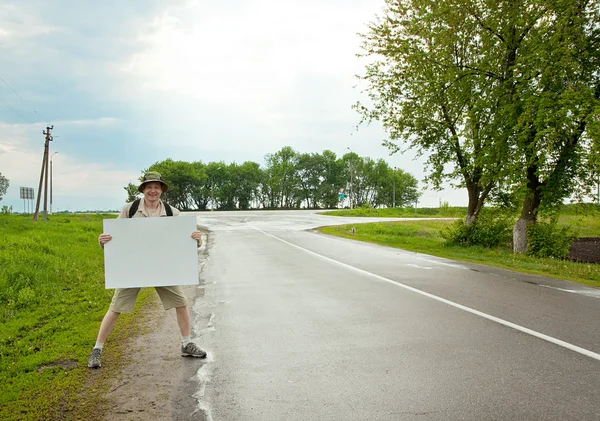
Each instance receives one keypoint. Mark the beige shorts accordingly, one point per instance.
(124, 299)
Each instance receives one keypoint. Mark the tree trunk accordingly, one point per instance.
(520, 235)
(528, 212)
(477, 197)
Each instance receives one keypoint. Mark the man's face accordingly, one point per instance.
(152, 191)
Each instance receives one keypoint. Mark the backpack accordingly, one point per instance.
(136, 204)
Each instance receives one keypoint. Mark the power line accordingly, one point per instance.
(11, 88)
(17, 112)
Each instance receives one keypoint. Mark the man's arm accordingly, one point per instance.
(105, 238)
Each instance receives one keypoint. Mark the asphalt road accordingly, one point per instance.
(303, 326)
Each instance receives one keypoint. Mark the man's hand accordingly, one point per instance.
(197, 235)
(103, 239)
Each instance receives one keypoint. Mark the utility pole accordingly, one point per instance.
(351, 181)
(351, 177)
(212, 196)
(44, 176)
(394, 194)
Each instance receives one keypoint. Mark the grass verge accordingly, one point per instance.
(52, 299)
(424, 237)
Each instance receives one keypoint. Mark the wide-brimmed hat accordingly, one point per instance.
(150, 177)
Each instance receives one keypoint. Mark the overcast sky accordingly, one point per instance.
(130, 83)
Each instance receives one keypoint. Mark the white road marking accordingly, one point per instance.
(503, 322)
(417, 266)
(589, 293)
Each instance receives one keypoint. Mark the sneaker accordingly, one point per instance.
(94, 361)
(192, 350)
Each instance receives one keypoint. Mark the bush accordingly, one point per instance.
(547, 239)
(491, 229)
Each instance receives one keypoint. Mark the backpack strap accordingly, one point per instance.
(136, 204)
(134, 207)
(168, 209)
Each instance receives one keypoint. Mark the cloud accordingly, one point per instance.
(127, 84)
(82, 184)
(102, 121)
(246, 53)
(17, 24)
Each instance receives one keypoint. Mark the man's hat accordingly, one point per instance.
(153, 176)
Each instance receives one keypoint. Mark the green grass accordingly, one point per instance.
(582, 226)
(443, 212)
(52, 299)
(424, 237)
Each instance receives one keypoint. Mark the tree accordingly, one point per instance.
(248, 180)
(4, 183)
(182, 177)
(352, 174)
(132, 192)
(199, 192)
(282, 182)
(426, 91)
(216, 178)
(401, 189)
(557, 102)
(504, 93)
(333, 180)
(311, 169)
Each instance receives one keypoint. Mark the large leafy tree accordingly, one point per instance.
(216, 179)
(311, 171)
(333, 180)
(425, 88)
(182, 179)
(4, 183)
(198, 193)
(400, 189)
(282, 182)
(248, 179)
(503, 93)
(556, 102)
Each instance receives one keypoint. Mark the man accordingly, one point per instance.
(123, 300)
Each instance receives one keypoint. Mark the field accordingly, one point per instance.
(52, 299)
(425, 237)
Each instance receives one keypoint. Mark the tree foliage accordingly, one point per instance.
(502, 95)
(426, 91)
(289, 180)
(4, 184)
(132, 192)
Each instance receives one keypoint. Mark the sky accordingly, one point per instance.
(128, 84)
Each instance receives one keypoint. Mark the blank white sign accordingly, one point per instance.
(148, 252)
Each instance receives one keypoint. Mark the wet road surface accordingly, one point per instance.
(303, 326)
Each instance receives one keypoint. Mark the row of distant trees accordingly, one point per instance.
(288, 180)
(502, 95)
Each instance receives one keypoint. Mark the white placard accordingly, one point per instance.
(147, 252)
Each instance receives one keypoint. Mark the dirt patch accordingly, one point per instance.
(141, 390)
(585, 250)
(64, 364)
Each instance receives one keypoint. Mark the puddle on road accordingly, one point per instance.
(202, 377)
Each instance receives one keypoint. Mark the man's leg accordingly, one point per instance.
(107, 325)
(188, 348)
(174, 297)
(183, 320)
(123, 301)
